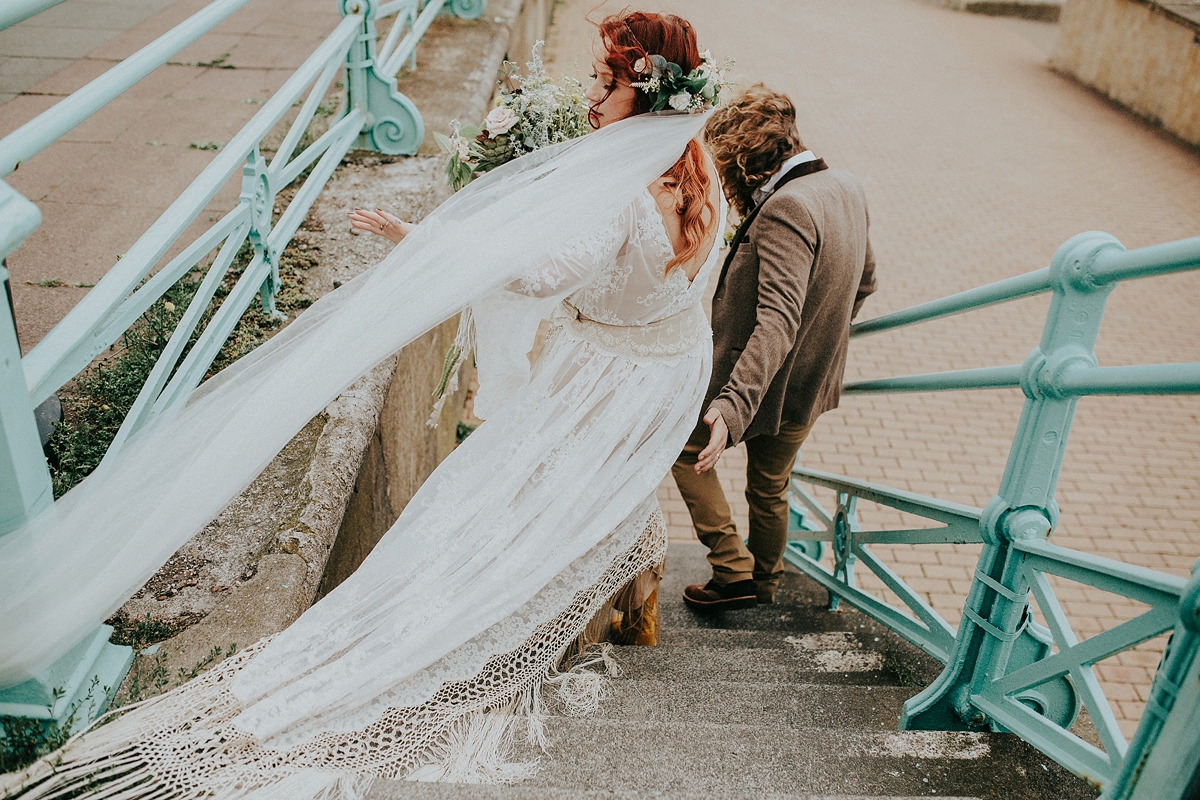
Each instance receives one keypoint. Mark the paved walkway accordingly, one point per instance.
(35, 49)
(978, 163)
(102, 185)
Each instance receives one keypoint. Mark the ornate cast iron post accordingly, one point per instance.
(1163, 761)
(259, 196)
(997, 634)
(393, 125)
(845, 525)
(25, 491)
(24, 478)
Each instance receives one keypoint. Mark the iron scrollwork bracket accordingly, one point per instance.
(259, 196)
(845, 525)
(393, 125)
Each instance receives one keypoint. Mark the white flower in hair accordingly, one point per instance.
(681, 101)
(639, 66)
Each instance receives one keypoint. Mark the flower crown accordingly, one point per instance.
(665, 81)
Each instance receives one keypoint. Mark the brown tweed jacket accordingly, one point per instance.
(797, 272)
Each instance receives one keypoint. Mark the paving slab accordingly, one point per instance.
(46, 43)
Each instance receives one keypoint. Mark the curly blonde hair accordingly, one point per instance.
(749, 140)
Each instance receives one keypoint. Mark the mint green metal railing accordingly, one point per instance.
(14, 11)
(1003, 670)
(373, 114)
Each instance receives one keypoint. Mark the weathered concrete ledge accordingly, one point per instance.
(1144, 55)
(1041, 10)
(316, 511)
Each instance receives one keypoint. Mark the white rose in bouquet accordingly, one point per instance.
(500, 121)
(534, 114)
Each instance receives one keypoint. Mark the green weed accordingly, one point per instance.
(24, 740)
(100, 397)
(463, 431)
(905, 668)
(216, 654)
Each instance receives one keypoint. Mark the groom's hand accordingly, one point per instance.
(718, 436)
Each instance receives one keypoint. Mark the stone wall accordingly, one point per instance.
(1143, 55)
(403, 452)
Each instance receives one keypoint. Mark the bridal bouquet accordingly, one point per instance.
(533, 114)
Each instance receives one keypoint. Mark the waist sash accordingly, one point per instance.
(663, 340)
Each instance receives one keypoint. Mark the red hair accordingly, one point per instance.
(633, 35)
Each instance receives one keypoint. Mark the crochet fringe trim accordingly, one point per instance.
(478, 748)
(107, 761)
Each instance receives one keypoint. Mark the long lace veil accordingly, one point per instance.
(71, 567)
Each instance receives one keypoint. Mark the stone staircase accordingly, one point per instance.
(789, 702)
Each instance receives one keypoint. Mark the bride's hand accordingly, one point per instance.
(380, 223)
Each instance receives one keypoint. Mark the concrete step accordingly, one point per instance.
(804, 660)
(745, 703)
(726, 759)
(395, 790)
(719, 760)
(795, 623)
(756, 666)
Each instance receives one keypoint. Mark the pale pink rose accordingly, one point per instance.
(639, 66)
(500, 121)
(680, 101)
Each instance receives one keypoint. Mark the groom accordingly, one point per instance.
(798, 269)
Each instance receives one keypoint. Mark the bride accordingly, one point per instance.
(422, 663)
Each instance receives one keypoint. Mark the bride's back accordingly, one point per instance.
(635, 287)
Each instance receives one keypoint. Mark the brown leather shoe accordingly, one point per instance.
(714, 596)
(765, 592)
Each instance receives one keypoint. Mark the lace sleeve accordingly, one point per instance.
(566, 271)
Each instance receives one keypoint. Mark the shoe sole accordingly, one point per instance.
(728, 604)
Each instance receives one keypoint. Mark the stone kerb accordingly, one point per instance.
(1142, 54)
(1041, 10)
(317, 510)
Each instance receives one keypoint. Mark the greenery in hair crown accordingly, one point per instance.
(665, 81)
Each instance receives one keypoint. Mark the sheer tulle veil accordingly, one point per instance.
(71, 567)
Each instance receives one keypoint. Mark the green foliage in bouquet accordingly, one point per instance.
(534, 113)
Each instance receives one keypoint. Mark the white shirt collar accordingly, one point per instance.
(764, 191)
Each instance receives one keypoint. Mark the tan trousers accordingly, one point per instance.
(769, 461)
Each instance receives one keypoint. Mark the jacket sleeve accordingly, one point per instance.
(785, 239)
(866, 286)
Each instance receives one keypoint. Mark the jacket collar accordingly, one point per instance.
(798, 171)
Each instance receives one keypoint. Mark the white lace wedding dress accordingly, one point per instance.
(417, 665)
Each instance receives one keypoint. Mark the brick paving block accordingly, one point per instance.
(1148, 660)
(939, 571)
(1115, 673)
